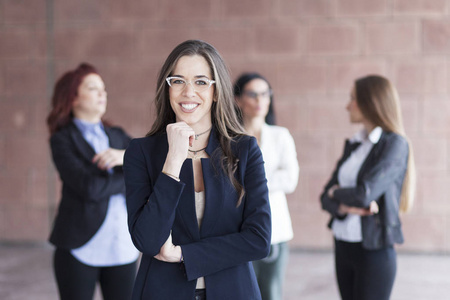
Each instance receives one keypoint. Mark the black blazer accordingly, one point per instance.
(381, 179)
(85, 188)
(230, 237)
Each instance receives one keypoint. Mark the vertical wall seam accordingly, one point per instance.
(51, 196)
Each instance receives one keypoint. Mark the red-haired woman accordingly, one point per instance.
(90, 230)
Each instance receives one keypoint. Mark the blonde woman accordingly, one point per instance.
(374, 180)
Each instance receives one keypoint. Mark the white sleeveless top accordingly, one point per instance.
(199, 211)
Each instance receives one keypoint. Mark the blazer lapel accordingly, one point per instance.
(85, 149)
(214, 185)
(372, 156)
(214, 197)
(116, 141)
(186, 206)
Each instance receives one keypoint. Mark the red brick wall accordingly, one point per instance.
(310, 50)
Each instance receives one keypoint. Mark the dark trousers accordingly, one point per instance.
(200, 294)
(77, 281)
(270, 272)
(364, 274)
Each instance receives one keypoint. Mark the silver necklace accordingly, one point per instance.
(195, 157)
(197, 135)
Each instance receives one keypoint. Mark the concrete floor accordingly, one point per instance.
(26, 273)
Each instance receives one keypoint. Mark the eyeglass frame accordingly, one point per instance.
(211, 82)
(255, 95)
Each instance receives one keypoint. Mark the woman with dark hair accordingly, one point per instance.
(90, 230)
(254, 97)
(196, 190)
(374, 180)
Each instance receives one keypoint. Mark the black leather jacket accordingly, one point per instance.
(381, 179)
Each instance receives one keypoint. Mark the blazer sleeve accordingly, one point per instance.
(388, 167)
(81, 175)
(151, 208)
(252, 242)
(331, 205)
(285, 178)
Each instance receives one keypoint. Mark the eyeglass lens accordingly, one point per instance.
(255, 95)
(199, 85)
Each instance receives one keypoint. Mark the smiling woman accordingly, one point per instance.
(197, 195)
(190, 103)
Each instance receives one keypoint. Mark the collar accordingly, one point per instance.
(213, 141)
(374, 136)
(87, 126)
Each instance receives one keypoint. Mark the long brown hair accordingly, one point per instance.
(64, 93)
(378, 101)
(223, 113)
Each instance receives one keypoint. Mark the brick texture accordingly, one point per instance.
(247, 8)
(343, 73)
(306, 8)
(69, 11)
(392, 38)
(14, 11)
(124, 11)
(175, 10)
(435, 116)
(310, 50)
(95, 44)
(420, 7)
(22, 43)
(2, 153)
(15, 116)
(226, 39)
(308, 76)
(333, 39)
(426, 76)
(278, 39)
(25, 79)
(436, 36)
(361, 8)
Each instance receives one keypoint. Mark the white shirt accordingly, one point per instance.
(199, 211)
(281, 166)
(111, 245)
(349, 229)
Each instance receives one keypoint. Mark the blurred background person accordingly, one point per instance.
(90, 230)
(373, 181)
(254, 96)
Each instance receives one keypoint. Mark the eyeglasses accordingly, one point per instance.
(254, 95)
(200, 85)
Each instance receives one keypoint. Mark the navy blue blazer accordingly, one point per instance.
(230, 237)
(85, 188)
(380, 179)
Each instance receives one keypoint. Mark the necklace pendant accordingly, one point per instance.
(196, 137)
